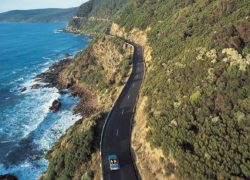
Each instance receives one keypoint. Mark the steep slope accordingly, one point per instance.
(196, 92)
(95, 15)
(39, 15)
(192, 119)
(97, 75)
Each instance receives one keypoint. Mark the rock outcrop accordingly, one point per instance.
(95, 76)
(96, 71)
(138, 36)
(8, 177)
(56, 105)
(51, 75)
(141, 147)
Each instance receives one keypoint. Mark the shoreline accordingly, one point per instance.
(65, 30)
(47, 77)
(67, 75)
(52, 78)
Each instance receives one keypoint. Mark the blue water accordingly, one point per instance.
(27, 128)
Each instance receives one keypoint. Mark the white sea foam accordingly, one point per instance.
(26, 170)
(33, 116)
(46, 58)
(26, 121)
(57, 50)
(3, 142)
(55, 124)
(41, 126)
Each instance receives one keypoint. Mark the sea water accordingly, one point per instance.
(27, 128)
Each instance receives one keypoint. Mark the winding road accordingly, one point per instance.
(116, 137)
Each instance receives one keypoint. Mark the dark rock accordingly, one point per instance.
(8, 177)
(66, 55)
(36, 86)
(243, 28)
(55, 106)
(51, 76)
(74, 94)
(63, 92)
(23, 89)
(71, 83)
(235, 36)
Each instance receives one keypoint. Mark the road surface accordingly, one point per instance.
(117, 132)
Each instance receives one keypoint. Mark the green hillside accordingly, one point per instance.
(38, 15)
(95, 15)
(198, 84)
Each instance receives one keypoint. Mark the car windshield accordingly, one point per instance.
(113, 161)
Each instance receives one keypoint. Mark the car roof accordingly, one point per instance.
(113, 156)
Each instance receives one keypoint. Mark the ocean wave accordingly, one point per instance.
(27, 127)
(3, 142)
(26, 170)
(46, 58)
(41, 129)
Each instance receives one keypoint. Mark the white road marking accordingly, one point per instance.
(133, 84)
(123, 111)
(117, 132)
(128, 96)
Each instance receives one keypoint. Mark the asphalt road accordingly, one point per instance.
(117, 132)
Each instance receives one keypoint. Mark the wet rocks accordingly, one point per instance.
(86, 105)
(23, 89)
(35, 86)
(56, 105)
(67, 55)
(51, 75)
(63, 91)
(8, 177)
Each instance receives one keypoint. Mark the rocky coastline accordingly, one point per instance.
(69, 30)
(52, 78)
(8, 177)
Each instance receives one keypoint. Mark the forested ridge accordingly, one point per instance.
(39, 15)
(95, 15)
(96, 74)
(198, 85)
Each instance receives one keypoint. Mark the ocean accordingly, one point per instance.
(27, 128)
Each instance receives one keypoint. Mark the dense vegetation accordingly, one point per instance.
(95, 15)
(198, 85)
(102, 68)
(69, 157)
(101, 71)
(39, 15)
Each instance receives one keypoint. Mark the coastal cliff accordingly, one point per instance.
(95, 16)
(97, 76)
(192, 117)
(191, 106)
(142, 148)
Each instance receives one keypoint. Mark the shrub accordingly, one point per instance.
(197, 108)
(74, 149)
(170, 169)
